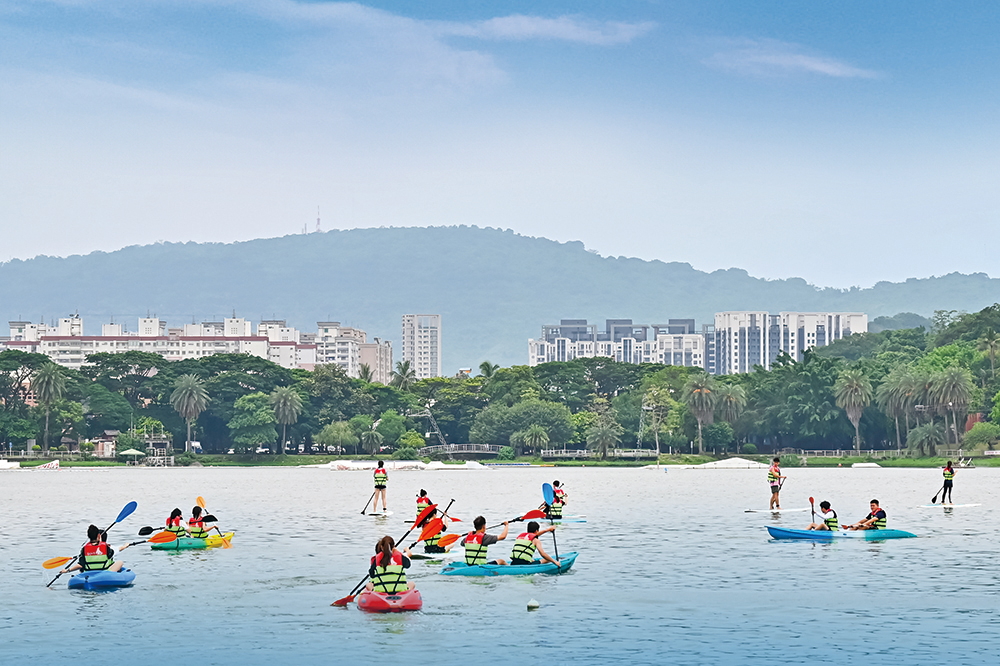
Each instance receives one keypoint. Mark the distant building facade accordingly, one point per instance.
(421, 344)
(673, 343)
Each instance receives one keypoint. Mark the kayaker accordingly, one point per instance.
(96, 554)
(196, 524)
(423, 501)
(774, 478)
(431, 544)
(175, 523)
(873, 521)
(949, 475)
(381, 479)
(476, 543)
(388, 568)
(558, 501)
(527, 544)
(829, 522)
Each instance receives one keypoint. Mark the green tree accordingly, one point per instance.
(365, 373)
(337, 434)
(411, 439)
(189, 399)
(719, 435)
(605, 433)
(951, 391)
(924, 440)
(487, 369)
(253, 422)
(287, 405)
(104, 410)
(48, 383)
(535, 437)
(853, 393)
(990, 343)
(700, 396)
(371, 440)
(391, 426)
(732, 400)
(404, 376)
(983, 435)
(891, 397)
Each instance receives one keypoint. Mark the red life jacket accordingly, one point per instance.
(559, 496)
(397, 558)
(197, 526)
(174, 522)
(95, 556)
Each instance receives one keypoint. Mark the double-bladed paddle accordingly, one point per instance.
(126, 511)
(531, 515)
(160, 537)
(200, 501)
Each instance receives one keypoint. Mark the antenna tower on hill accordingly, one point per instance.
(317, 220)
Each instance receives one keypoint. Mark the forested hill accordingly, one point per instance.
(494, 288)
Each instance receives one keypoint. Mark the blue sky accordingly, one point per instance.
(845, 143)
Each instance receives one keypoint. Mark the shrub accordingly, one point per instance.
(36, 447)
(405, 453)
(506, 453)
(981, 435)
(749, 448)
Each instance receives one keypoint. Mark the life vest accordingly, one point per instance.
(475, 551)
(391, 579)
(773, 472)
(422, 502)
(949, 474)
(176, 526)
(879, 522)
(524, 547)
(380, 476)
(433, 541)
(95, 557)
(558, 501)
(832, 523)
(197, 527)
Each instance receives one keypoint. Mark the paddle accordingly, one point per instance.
(368, 502)
(550, 495)
(444, 514)
(813, 508)
(420, 518)
(934, 499)
(209, 518)
(531, 515)
(161, 537)
(126, 511)
(448, 539)
(56, 562)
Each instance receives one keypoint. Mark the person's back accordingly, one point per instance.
(388, 568)
(196, 524)
(175, 523)
(96, 555)
(477, 541)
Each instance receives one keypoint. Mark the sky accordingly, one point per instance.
(844, 143)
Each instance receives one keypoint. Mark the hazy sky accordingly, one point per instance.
(845, 143)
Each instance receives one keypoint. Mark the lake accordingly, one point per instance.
(671, 570)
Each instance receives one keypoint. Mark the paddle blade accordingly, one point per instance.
(146, 531)
(534, 513)
(423, 514)
(162, 537)
(210, 519)
(811, 500)
(343, 602)
(200, 501)
(548, 493)
(127, 511)
(454, 520)
(55, 562)
(448, 539)
(432, 528)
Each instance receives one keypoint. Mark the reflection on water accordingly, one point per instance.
(671, 570)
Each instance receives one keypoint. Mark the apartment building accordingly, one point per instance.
(421, 344)
(377, 355)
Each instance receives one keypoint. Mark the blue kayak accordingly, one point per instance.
(103, 579)
(537, 567)
(826, 535)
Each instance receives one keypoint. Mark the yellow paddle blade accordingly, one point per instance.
(225, 543)
(200, 501)
(162, 537)
(55, 562)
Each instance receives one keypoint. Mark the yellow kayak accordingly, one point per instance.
(215, 540)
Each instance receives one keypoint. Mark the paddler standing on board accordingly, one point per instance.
(875, 520)
(381, 479)
(949, 476)
(476, 542)
(774, 478)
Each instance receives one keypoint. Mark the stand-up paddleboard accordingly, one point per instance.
(775, 510)
(946, 506)
(381, 514)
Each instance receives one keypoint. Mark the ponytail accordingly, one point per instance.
(385, 546)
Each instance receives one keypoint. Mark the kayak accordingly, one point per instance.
(536, 567)
(383, 602)
(946, 506)
(775, 510)
(565, 519)
(190, 543)
(827, 535)
(103, 579)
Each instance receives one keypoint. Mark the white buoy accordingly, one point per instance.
(533, 605)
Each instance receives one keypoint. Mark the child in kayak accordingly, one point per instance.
(96, 554)
(873, 521)
(381, 479)
(388, 568)
(829, 522)
(476, 542)
(196, 524)
(175, 523)
(527, 544)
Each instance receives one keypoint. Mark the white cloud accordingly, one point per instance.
(518, 27)
(774, 58)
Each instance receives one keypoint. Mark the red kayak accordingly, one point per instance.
(383, 602)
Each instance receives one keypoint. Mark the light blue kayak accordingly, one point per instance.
(538, 567)
(827, 535)
(102, 579)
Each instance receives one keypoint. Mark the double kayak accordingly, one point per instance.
(103, 579)
(827, 535)
(383, 602)
(190, 543)
(536, 567)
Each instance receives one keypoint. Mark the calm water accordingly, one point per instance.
(671, 571)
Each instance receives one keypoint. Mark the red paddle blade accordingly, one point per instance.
(448, 539)
(162, 537)
(534, 513)
(811, 500)
(431, 529)
(423, 514)
(454, 520)
(343, 602)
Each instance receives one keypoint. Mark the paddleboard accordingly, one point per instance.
(946, 506)
(775, 510)
(381, 514)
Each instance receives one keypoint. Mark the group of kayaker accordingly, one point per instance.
(875, 520)
(195, 524)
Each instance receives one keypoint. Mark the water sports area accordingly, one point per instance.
(668, 565)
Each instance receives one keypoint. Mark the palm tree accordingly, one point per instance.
(487, 369)
(535, 436)
(365, 373)
(603, 434)
(337, 434)
(700, 397)
(49, 383)
(371, 440)
(403, 377)
(732, 400)
(287, 405)
(925, 439)
(891, 398)
(990, 343)
(951, 390)
(189, 399)
(853, 392)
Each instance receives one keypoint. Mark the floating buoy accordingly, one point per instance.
(533, 605)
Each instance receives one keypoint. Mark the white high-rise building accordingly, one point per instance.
(421, 344)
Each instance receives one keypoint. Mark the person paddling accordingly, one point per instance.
(381, 480)
(175, 523)
(431, 543)
(527, 544)
(476, 542)
(875, 520)
(949, 476)
(558, 502)
(774, 478)
(196, 524)
(388, 568)
(423, 501)
(96, 554)
(829, 522)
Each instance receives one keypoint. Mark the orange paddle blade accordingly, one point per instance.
(448, 539)
(454, 520)
(162, 537)
(534, 513)
(423, 514)
(55, 562)
(200, 501)
(431, 529)
(343, 602)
